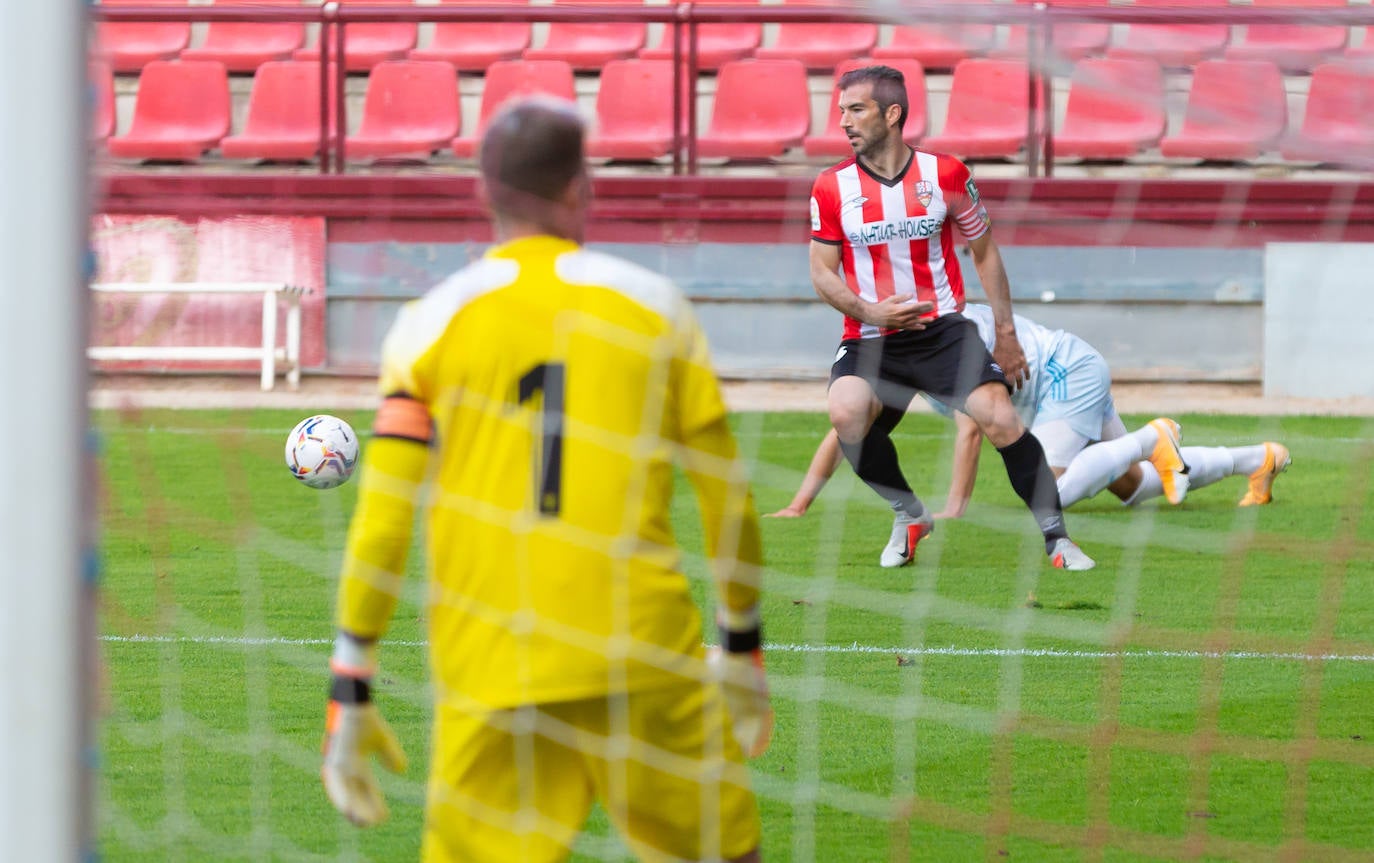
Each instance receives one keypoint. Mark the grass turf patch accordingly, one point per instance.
(974, 704)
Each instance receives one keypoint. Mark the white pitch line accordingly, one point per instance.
(992, 652)
(259, 430)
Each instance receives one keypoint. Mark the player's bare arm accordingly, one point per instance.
(992, 272)
(968, 443)
(818, 473)
(898, 313)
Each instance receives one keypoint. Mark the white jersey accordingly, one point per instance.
(1050, 355)
(1066, 401)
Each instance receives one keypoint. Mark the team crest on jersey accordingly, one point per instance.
(925, 192)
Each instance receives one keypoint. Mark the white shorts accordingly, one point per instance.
(1075, 406)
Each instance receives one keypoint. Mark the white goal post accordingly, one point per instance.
(46, 620)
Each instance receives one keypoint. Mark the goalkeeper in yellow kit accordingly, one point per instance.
(544, 393)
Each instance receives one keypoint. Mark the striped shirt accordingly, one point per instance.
(896, 234)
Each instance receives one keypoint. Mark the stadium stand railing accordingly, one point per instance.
(1045, 41)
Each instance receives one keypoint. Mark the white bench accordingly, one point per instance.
(273, 294)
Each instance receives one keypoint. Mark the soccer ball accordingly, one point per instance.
(322, 451)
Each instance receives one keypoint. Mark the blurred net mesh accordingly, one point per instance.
(217, 687)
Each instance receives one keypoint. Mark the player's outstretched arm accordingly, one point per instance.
(394, 466)
(968, 442)
(730, 526)
(992, 272)
(379, 534)
(729, 521)
(731, 531)
(818, 473)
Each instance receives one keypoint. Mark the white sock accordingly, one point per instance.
(1150, 486)
(1248, 459)
(1207, 464)
(1098, 466)
(1146, 436)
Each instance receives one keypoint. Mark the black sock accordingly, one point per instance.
(874, 459)
(1033, 480)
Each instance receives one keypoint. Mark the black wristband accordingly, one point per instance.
(350, 690)
(746, 641)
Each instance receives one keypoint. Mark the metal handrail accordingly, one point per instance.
(684, 18)
(993, 13)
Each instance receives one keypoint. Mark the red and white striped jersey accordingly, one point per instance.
(895, 234)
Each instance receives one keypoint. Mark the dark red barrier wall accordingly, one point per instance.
(752, 210)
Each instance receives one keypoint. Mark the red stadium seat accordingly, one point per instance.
(831, 141)
(181, 111)
(588, 47)
(1236, 110)
(243, 46)
(1115, 109)
(1292, 46)
(101, 81)
(634, 111)
(938, 46)
(366, 45)
(283, 119)
(129, 46)
(1174, 45)
(472, 47)
(1070, 40)
(1364, 50)
(410, 111)
(820, 46)
(762, 108)
(988, 110)
(1338, 125)
(717, 44)
(509, 78)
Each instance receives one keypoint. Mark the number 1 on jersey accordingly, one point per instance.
(547, 378)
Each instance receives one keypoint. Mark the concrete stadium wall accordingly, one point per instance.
(1167, 278)
(1318, 319)
(1155, 313)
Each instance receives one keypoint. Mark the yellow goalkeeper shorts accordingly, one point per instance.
(518, 784)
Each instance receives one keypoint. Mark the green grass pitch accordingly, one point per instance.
(975, 706)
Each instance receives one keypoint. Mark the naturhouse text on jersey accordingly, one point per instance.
(893, 230)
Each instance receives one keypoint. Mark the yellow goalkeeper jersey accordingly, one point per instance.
(562, 385)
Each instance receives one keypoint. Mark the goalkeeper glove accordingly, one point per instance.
(737, 664)
(355, 731)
